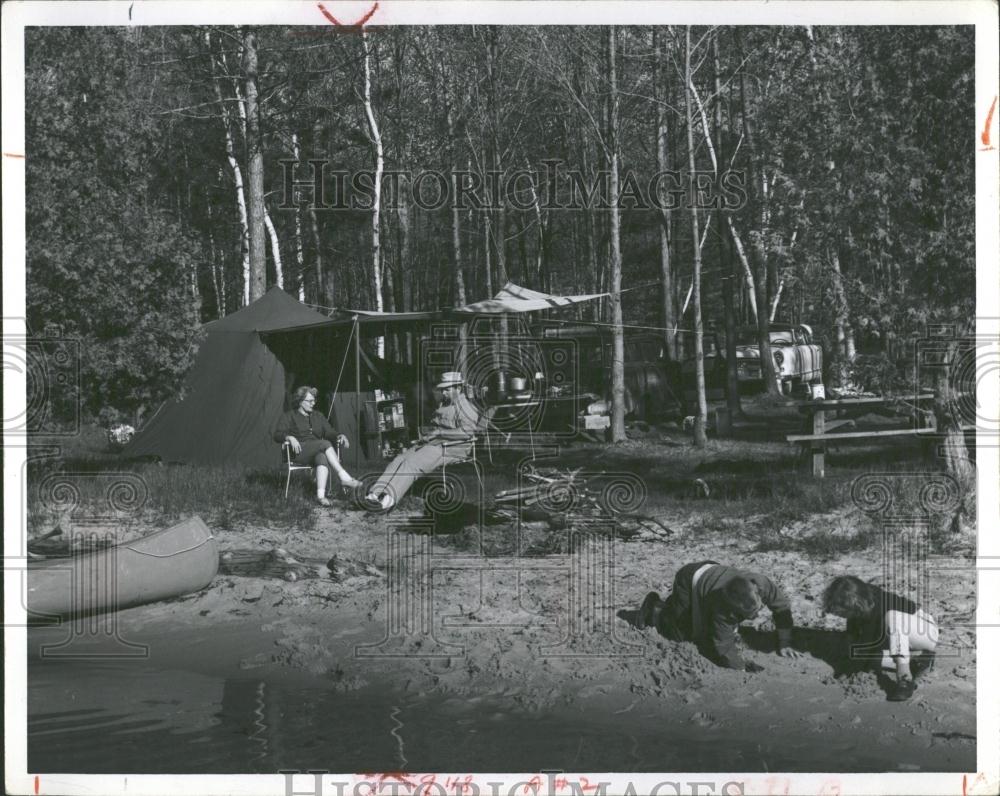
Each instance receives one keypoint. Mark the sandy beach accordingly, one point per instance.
(505, 662)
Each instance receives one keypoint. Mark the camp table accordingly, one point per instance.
(510, 415)
(819, 428)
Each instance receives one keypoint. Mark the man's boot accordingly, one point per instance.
(649, 611)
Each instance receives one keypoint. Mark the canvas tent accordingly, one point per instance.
(246, 366)
(250, 361)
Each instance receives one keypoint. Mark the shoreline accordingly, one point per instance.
(501, 653)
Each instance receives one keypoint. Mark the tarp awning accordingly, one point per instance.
(345, 318)
(514, 298)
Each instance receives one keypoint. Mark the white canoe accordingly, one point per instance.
(175, 561)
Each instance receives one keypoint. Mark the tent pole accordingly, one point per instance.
(357, 388)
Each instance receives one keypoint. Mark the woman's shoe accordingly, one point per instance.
(903, 691)
(323, 501)
(350, 483)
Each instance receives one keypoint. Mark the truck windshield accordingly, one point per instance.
(748, 337)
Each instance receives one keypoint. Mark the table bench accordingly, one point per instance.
(821, 427)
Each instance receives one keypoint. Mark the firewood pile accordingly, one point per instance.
(280, 564)
(565, 499)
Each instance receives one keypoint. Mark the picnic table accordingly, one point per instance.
(819, 430)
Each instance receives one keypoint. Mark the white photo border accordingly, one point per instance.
(982, 14)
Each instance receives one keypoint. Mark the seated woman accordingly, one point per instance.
(311, 438)
(453, 426)
(882, 629)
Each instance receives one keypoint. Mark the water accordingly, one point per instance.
(193, 723)
(120, 716)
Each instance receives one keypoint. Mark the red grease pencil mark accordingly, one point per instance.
(334, 21)
(13, 155)
(36, 783)
(985, 136)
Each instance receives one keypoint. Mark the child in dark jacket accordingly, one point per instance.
(707, 604)
(882, 629)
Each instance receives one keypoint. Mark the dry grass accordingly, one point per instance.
(756, 488)
(87, 483)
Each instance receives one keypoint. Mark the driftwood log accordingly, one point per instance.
(280, 564)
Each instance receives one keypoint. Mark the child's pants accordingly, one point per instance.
(917, 632)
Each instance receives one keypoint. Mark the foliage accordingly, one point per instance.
(108, 262)
(133, 231)
(879, 374)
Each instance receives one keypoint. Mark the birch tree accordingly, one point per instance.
(667, 286)
(255, 169)
(617, 330)
(234, 166)
(376, 139)
(700, 438)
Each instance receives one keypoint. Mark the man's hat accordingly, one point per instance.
(450, 379)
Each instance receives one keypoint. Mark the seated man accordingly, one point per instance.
(707, 604)
(449, 439)
(310, 436)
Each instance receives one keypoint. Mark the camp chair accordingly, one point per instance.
(286, 450)
(482, 434)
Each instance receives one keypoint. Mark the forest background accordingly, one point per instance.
(159, 159)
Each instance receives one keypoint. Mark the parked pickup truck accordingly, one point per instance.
(797, 360)
(651, 379)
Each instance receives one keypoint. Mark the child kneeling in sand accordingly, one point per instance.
(883, 628)
(707, 604)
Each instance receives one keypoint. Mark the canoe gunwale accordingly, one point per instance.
(171, 554)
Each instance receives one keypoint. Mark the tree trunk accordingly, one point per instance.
(389, 294)
(844, 353)
(737, 241)
(776, 299)
(405, 270)
(700, 439)
(540, 223)
(255, 168)
(324, 287)
(668, 290)
(300, 260)
(751, 283)
(220, 309)
(487, 255)
(759, 257)
(499, 225)
(241, 204)
(948, 414)
(590, 229)
(376, 137)
(272, 234)
(618, 335)
(725, 254)
(456, 237)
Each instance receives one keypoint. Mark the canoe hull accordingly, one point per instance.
(175, 561)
